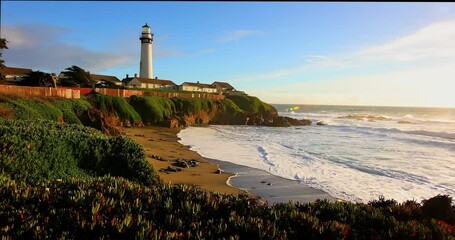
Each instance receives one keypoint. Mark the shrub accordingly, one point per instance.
(382, 202)
(439, 207)
(35, 151)
(127, 159)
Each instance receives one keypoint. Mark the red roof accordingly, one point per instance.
(225, 85)
(152, 81)
(15, 71)
(96, 77)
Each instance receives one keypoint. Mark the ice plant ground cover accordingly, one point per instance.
(110, 207)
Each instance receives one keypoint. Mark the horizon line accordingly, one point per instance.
(363, 105)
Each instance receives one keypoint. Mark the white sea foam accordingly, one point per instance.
(350, 159)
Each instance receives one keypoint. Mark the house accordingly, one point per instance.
(197, 87)
(223, 87)
(105, 80)
(227, 89)
(13, 74)
(138, 82)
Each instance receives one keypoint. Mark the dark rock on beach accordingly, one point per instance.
(185, 163)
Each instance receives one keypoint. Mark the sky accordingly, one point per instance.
(335, 53)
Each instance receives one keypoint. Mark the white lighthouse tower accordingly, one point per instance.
(146, 69)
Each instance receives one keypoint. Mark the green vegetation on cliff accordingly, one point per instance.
(193, 105)
(155, 110)
(229, 106)
(72, 109)
(250, 104)
(136, 110)
(41, 108)
(25, 109)
(41, 150)
(115, 105)
(152, 109)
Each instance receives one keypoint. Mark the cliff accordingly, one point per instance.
(182, 112)
(105, 112)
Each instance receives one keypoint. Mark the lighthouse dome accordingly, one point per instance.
(145, 28)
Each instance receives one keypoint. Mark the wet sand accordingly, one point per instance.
(163, 142)
(270, 188)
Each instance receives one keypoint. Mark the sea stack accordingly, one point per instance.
(146, 66)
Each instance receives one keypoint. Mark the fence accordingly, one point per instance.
(75, 93)
(40, 91)
(128, 93)
(119, 92)
(185, 95)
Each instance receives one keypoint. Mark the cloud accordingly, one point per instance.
(433, 41)
(312, 63)
(432, 44)
(425, 86)
(235, 35)
(38, 47)
(412, 70)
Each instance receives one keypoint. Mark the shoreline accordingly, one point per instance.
(235, 179)
(268, 187)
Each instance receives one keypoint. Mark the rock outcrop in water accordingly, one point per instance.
(279, 121)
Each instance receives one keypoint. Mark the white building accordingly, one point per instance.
(146, 64)
(197, 87)
(105, 80)
(138, 82)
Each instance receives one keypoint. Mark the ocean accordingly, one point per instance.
(362, 153)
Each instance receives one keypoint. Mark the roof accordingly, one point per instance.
(96, 77)
(151, 81)
(223, 85)
(15, 71)
(201, 85)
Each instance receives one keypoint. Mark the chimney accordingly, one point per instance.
(135, 75)
(126, 75)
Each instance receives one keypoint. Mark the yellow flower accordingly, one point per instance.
(48, 189)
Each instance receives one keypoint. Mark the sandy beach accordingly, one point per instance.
(163, 142)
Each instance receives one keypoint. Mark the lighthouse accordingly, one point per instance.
(146, 69)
